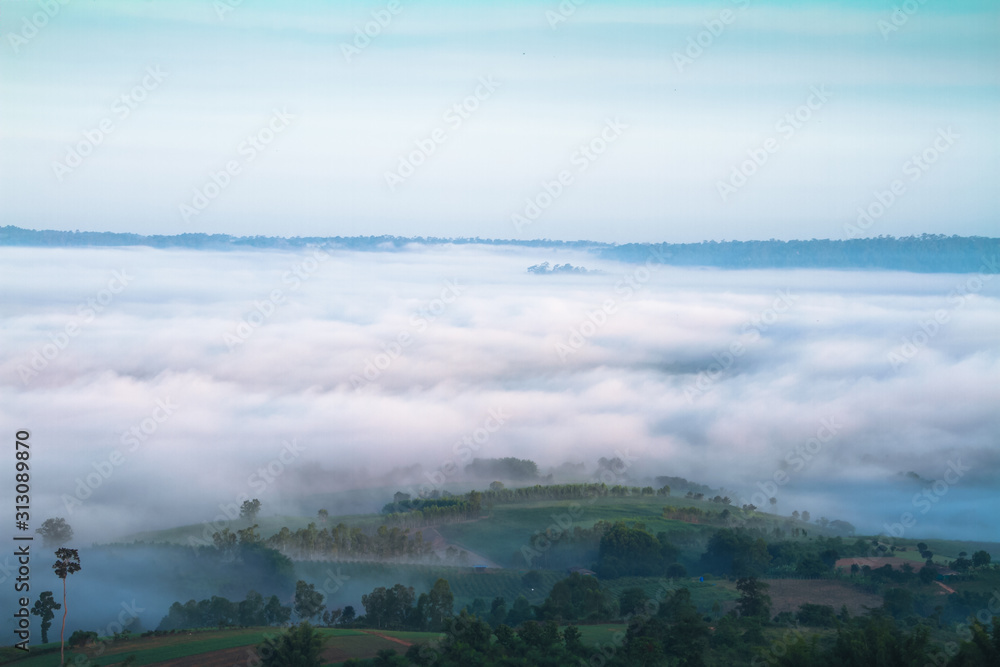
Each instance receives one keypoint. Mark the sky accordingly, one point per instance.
(609, 121)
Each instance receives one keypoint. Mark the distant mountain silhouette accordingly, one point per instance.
(928, 253)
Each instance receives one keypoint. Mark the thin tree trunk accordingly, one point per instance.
(62, 632)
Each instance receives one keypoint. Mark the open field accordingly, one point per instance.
(223, 648)
(789, 594)
(152, 650)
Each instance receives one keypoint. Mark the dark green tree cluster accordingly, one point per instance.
(578, 491)
(221, 612)
(299, 646)
(878, 639)
(981, 559)
(555, 548)
(250, 509)
(754, 601)
(632, 551)
(735, 552)
(308, 601)
(517, 470)
(470, 641)
(45, 608)
(743, 552)
(344, 541)
(245, 548)
(578, 598)
(399, 608)
(671, 633)
(55, 532)
(816, 615)
(81, 638)
(681, 484)
(420, 511)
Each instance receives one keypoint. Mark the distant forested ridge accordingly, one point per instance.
(928, 253)
(923, 254)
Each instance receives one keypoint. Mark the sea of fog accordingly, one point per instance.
(159, 385)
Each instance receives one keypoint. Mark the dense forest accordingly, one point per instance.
(660, 629)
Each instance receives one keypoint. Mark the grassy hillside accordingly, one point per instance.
(501, 534)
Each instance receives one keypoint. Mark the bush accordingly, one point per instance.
(816, 615)
(82, 638)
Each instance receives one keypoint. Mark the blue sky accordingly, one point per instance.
(685, 117)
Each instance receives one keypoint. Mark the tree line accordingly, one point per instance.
(345, 542)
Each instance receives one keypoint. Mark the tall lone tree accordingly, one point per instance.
(250, 509)
(45, 607)
(308, 601)
(67, 562)
(55, 532)
(441, 603)
(754, 600)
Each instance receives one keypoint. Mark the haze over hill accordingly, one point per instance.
(205, 367)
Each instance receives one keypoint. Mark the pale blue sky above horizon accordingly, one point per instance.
(687, 129)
